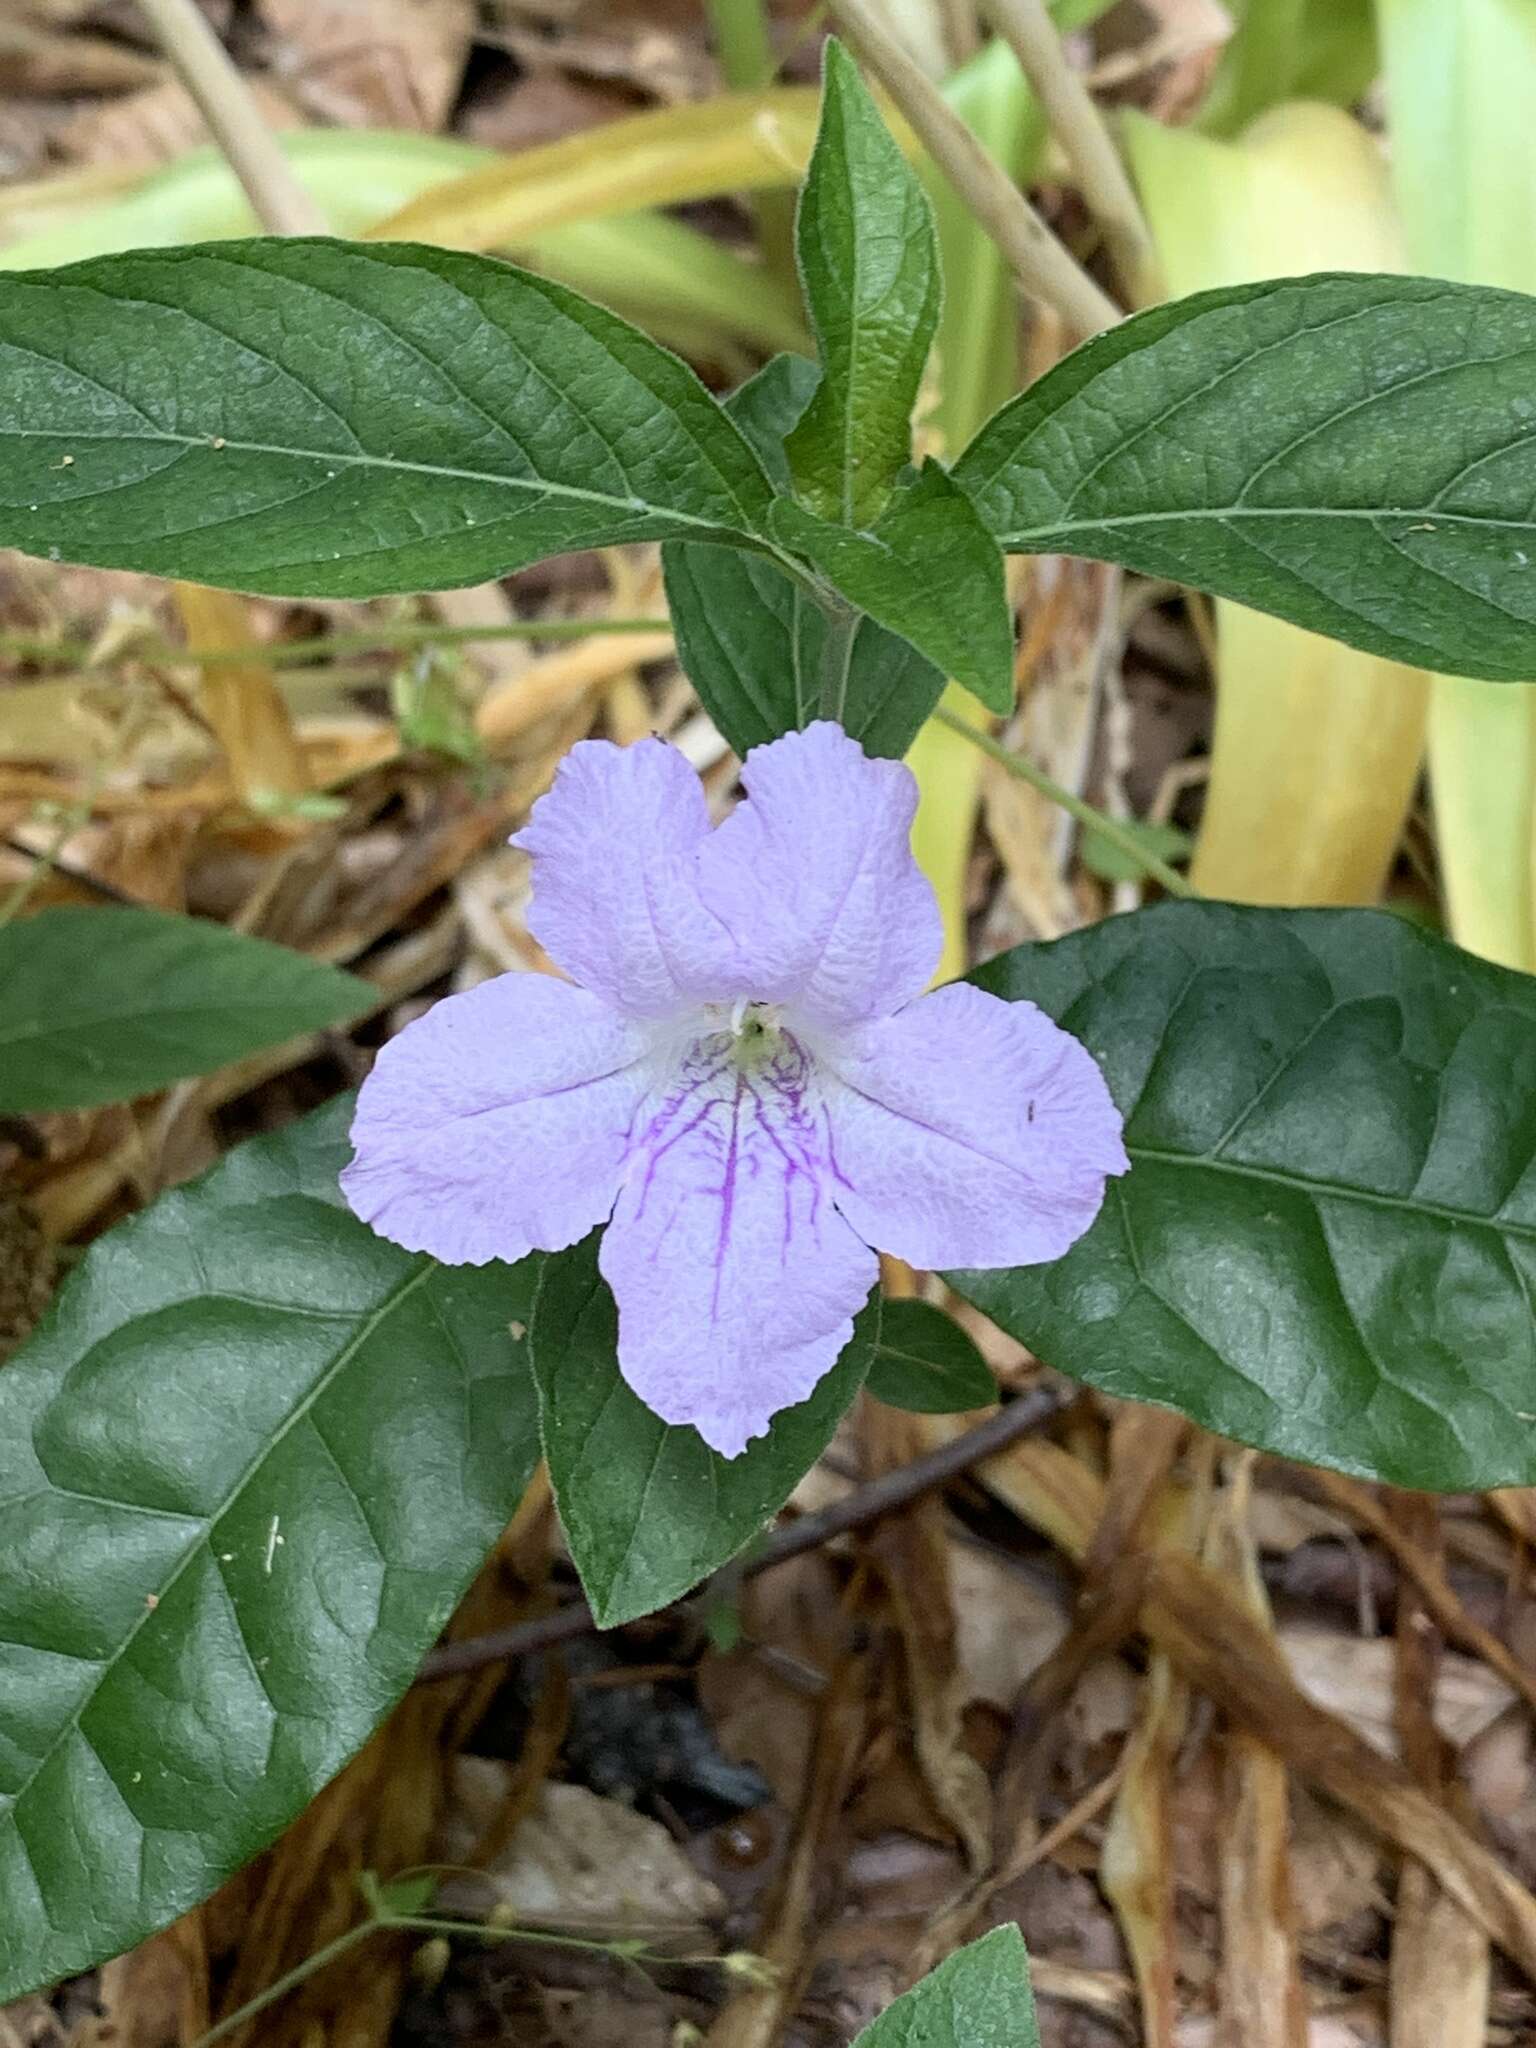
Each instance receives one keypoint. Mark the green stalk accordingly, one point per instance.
(406, 633)
(747, 59)
(1461, 82)
(1087, 814)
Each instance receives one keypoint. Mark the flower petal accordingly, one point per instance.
(736, 1279)
(815, 877)
(969, 1132)
(499, 1122)
(615, 847)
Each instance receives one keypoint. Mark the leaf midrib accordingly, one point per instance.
(208, 1523)
(1023, 538)
(392, 465)
(189, 1013)
(1298, 1183)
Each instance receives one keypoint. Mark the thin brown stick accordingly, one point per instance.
(1043, 266)
(224, 100)
(1086, 142)
(791, 1539)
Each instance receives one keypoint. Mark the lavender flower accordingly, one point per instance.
(746, 1082)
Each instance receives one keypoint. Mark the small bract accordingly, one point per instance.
(746, 1081)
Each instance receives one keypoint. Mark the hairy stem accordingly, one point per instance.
(1085, 813)
(836, 656)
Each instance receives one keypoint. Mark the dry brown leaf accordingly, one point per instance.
(1135, 1866)
(1262, 2001)
(242, 704)
(910, 1550)
(579, 1862)
(26, 1272)
(763, 1703)
(1441, 1972)
(1218, 1647)
(1353, 1679)
(156, 1996)
(556, 682)
(1071, 633)
(755, 2018)
(39, 60)
(541, 106)
(371, 63)
(154, 125)
(1005, 1624)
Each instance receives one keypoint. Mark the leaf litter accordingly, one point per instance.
(1246, 1754)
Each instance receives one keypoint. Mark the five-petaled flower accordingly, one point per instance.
(746, 1082)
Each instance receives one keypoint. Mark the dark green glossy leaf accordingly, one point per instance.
(929, 571)
(1326, 1245)
(978, 1998)
(1355, 454)
(926, 1363)
(751, 643)
(247, 1467)
(750, 639)
(100, 1005)
(768, 407)
(869, 263)
(648, 1509)
(338, 419)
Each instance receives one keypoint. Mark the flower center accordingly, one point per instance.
(752, 1032)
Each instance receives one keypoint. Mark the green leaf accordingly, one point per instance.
(979, 1998)
(1286, 50)
(870, 267)
(100, 1005)
(1102, 857)
(1355, 454)
(336, 419)
(928, 571)
(247, 1467)
(926, 1363)
(1326, 1244)
(751, 640)
(648, 1509)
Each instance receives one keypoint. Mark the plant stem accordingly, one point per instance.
(1045, 269)
(382, 1921)
(225, 102)
(1085, 813)
(1084, 136)
(747, 59)
(295, 653)
(290, 1981)
(836, 656)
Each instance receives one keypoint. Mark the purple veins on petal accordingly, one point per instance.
(736, 1279)
(747, 1081)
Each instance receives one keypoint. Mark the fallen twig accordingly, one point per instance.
(791, 1539)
